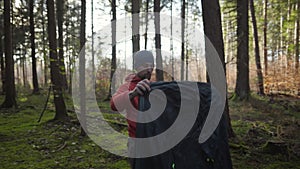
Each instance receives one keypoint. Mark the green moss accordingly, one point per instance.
(123, 164)
(281, 165)
(241, 127)
(24, 143)
(255, 123)
(49, 144)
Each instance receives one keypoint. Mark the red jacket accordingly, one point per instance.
(119, 99)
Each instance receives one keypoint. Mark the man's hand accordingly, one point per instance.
(141, 88)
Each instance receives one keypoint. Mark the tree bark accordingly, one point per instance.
(257, 56)
(182, 39)
(146, 22)
(228, 51)
(60, 107)
(18, 73)
(135, 26)
(297, 37)
(82, 86)
(24, 69)
(32, 40)
(44, 45)
(60, 16)
(159, 65)
(242, 89)
(186, 44)
(297, 44)
(93, 42)
(67, 44)
(171, 41)
(1, 54)
(213, 31)
(265, 36)
(23, 54)
(10, 91)
(287, 37)
(282, 65)
(113, 65)
(2, 66)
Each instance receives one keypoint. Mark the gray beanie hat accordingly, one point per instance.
(142, 57)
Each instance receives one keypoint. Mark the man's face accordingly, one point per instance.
(144, 71)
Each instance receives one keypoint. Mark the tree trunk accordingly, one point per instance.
(2, 66)
(282, 66)
(60, 107)
(182, 39)
(228, 52)
(82, 86)
(60, 16)
(297, 37)
(265, 36)
(45, 56)
(1, 54)
(13, 26)
(186, 44)
(24, 68)
(198, 66)
(146, 22)
(287, 37)
(159, 65)
(297, 44)
(257, 56)
(41, 70)
(32, 38)
(68, 49)
(23, 55)
(171, 41)
(70, 73)
(93, 42)
(18, 73)
(113, 56)
(135, 26)
(10, 91)
(242, 89)
(213, 31)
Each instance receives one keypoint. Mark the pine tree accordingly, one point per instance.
(10, 91)
(32, 40)
(242, 89)
(60, 107)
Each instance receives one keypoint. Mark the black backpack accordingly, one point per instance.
(188, 153)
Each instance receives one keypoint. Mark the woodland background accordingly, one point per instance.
(40, 41)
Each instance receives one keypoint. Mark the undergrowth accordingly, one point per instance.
(25, 143)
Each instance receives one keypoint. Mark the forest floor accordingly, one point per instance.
(266, 128)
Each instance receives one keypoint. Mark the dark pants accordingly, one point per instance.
(132, 163)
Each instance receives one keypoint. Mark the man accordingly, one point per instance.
(136, 85)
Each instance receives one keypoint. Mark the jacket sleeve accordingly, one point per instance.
(120, 98)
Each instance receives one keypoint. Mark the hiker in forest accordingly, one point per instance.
(136, 84)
